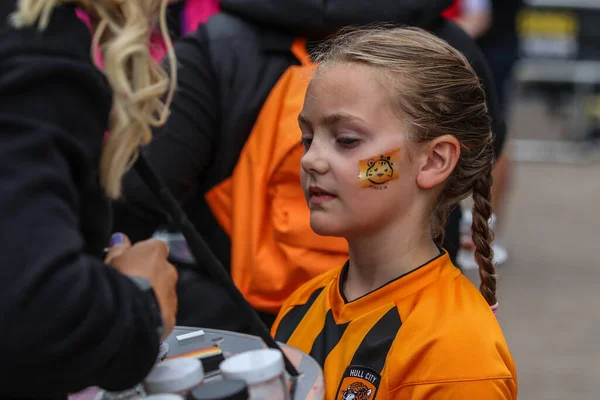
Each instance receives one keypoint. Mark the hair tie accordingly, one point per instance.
(494, 307)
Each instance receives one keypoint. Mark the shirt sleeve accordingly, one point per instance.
(180, 150)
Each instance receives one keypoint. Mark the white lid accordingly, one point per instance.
(175, 375)
(253, 366)
(165, 396)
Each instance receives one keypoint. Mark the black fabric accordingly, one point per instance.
(500, 44)
(175, 12)
(196, 290)
(503, 31)
(452, 238)
(319, 18)
(292, 318)
(460, 40)
(375, 346)
(327, 339)
(203, 301)
(227, 68)
(68, 320)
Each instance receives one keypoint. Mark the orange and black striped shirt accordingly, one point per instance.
(426, 335)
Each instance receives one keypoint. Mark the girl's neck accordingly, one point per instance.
(378, 259)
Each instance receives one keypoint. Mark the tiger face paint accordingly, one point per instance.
(376, 172)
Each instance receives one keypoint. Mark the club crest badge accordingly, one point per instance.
(358, 383)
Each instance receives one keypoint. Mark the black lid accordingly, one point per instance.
(229, 389)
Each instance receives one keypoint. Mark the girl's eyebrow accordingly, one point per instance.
(332, 119)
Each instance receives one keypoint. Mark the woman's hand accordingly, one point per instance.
(148, 259)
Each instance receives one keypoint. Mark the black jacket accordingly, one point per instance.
(503, 32)
(67, 320)
(227, 69)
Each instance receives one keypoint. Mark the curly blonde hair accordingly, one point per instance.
(139, 83)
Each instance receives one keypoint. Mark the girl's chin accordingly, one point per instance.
(324, 225)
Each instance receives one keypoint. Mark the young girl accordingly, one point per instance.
(396, 132)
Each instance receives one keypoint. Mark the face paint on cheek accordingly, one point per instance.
(376, 172)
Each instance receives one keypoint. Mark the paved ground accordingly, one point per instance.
(549, 290)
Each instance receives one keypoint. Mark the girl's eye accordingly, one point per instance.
(306, 142)
(348, 143)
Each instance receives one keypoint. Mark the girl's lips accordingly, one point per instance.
(318, 195)
(320, 198)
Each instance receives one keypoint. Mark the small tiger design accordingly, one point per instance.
(357, 391)
(380, 171)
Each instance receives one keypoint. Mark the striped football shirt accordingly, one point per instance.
(428, 334)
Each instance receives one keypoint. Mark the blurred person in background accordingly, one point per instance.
(73, 316)
(493, 24)
(501, 48)
(474, 16)
(229, 68)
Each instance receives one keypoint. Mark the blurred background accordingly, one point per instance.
(548, 224)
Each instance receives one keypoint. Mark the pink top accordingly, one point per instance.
(197, 12)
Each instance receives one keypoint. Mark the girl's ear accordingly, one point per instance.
(439, 160)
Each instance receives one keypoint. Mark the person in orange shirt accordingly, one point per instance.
(396, 132)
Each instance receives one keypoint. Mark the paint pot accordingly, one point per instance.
(228, 389)
(262, 370)
(178, 376)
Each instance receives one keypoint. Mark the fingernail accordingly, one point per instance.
(117, 238)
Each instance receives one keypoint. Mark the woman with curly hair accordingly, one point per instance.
(73, 315)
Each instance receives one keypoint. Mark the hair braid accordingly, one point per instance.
(483, 235)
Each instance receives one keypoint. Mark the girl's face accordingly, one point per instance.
(356, 173)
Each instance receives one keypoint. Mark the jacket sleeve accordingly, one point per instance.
(489, 389)
(181, 149)
(68, 320)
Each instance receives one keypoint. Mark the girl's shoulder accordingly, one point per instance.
(454, 336)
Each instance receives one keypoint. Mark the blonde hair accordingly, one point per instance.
(433, 88)
(139, 83)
